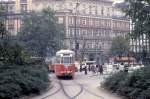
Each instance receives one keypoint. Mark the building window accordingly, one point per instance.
(60, 20)
(89, 32)
(90, 9)
(96, 22)
(96, 10)
(83, 21)
(102, 10)
(90, 22)
(23, 1)
(99, 32)
(70, 4)
(96, 33)
(77, 32)
(60, 6)
(10, 25)
(71, 20)
(23, 7)
(93, 45)
(108, 12)
(84, 33)
(11, 8)
(103, 22)
(84, 8)
(78, 21)
(71, 32)
(68, 33)
(89, 45)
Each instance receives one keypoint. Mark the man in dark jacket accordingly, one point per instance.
(100, 69)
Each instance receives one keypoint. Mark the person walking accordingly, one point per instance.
(80, 67)
(85, 69)
(93, 69)
(100, 69)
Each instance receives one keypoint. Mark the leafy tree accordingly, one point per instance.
(120, 46)
(41, 32)
(12, 53)
(2, 25)
(18, 75)
(139, 12)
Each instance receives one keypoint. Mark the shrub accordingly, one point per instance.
(113, 81)
(12, 53)
(23, 80)
(18, 76)
(134, 85)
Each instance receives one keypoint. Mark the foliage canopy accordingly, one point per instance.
(139, 12)
(41, 33)
(18, 76)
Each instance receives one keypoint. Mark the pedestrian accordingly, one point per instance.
(85, 69)
(89, 68)
(100, 69)
(80, 67)
(93, 69)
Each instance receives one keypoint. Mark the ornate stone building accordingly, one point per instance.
(14, 10)
(91, 23)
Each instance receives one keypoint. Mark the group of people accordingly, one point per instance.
(95, 69)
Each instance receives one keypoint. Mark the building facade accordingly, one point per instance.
(91, 23)
(14, 10)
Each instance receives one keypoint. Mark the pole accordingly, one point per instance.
(75, 34)
(75, 31)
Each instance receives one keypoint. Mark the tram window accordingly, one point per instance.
(66, 59)
(58, 59)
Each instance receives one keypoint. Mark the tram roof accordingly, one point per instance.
(65, 52)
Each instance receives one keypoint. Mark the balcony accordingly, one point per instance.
(89, 50)
(23, 1)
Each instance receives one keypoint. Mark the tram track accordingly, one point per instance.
(82, 88)
(55, 92)
(92, 93)
(89, 92)
(67, 94)
(62, 86)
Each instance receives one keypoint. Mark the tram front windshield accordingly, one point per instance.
(67, 60)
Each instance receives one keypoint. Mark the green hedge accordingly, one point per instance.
(18, 80)
(134, 85)
(19, 74)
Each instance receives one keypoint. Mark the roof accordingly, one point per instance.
(65, 51)
(7, 2)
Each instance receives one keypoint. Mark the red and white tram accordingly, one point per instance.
(65, 63)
